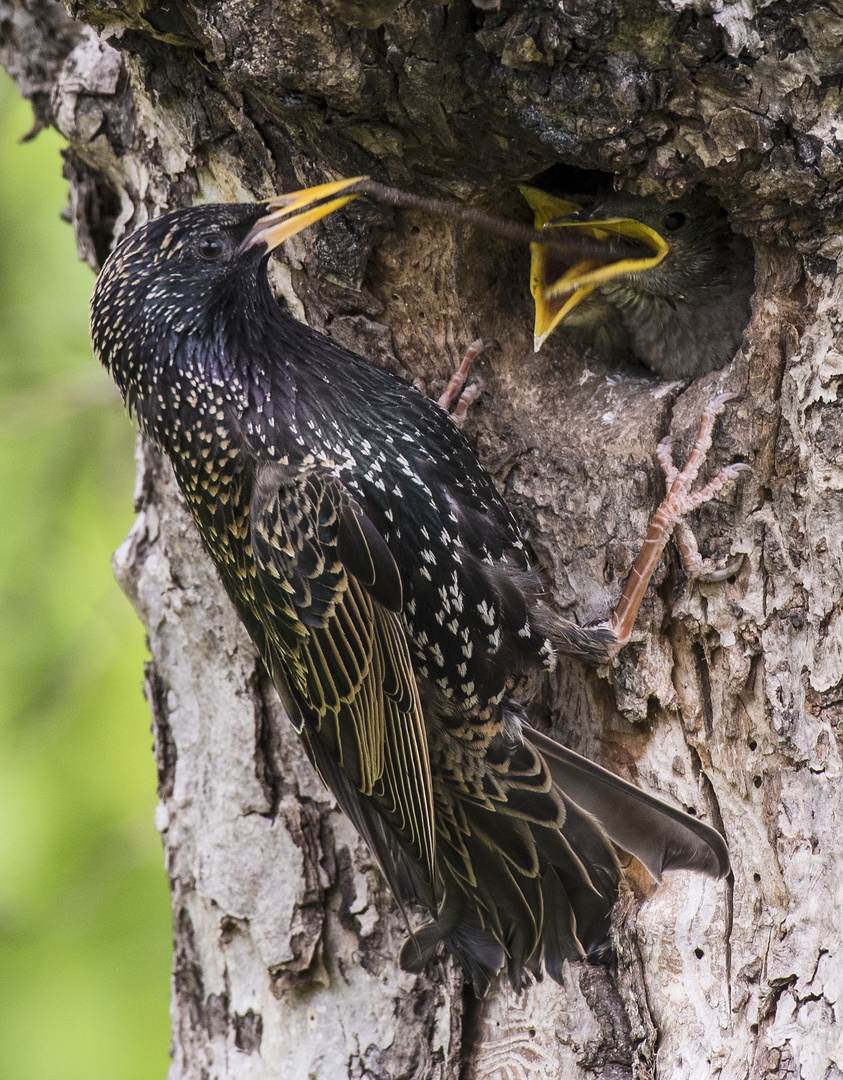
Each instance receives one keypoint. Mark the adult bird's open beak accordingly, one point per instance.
(559, 285)
(279, 226)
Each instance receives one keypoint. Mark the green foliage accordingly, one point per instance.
(84, 909)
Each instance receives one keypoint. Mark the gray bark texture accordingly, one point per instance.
(729, 700)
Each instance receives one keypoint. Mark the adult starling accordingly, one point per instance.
(680, 309)
(388, 591)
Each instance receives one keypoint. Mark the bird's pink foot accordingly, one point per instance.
(457, 397)
(678, 501)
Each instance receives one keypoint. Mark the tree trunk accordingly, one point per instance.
(729, 699)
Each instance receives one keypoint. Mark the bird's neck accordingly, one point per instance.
(206, 354)
(266, 377)
(679, 339)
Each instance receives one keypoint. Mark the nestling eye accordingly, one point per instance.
(674, 220)
(211, 247)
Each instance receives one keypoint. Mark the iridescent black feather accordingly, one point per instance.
(387, 588)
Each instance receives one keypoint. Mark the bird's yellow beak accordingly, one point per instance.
(557, 284)
(279, 226)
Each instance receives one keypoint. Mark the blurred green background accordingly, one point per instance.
(84, 908)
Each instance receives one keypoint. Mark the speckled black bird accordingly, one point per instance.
(387, 589)
(681, 310)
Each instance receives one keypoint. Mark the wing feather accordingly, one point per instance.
(331, 596)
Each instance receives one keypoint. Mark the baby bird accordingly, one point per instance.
(681, 308)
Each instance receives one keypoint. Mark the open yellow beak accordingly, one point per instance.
(559, 285)
(279, 226)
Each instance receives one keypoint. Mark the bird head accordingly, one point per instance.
(688, 252)
(174, 273)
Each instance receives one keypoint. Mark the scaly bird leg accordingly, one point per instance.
(696, 566)
(678, 502)
(605, 639)
(455, 392)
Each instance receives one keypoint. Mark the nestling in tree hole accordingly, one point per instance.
(681, 309)
(387, 588)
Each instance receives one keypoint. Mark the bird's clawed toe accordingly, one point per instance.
(457, 397)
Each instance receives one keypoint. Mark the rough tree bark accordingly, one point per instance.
(728, 701)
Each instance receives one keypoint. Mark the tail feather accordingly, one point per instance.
(515, 890)
(507, 896)
(559, 936)
(662, 837)
(590, 885)
(525, 895)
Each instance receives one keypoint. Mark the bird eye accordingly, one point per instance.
(674, 220)
(211, 247)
